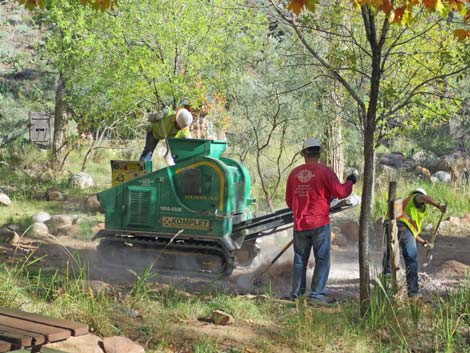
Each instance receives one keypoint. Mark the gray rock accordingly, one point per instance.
(38, 230)
(457, 164)
(81, 180)
(60, 221)
(4, 199)
(41, 217)
(442, 176)
(71, 231)
(54, 194)
(8, 189)
(419, 156)
(394, 160)
(91, 204)
(119, 344)
(8, 235)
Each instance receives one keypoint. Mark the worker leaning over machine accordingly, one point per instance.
(409, 226)
(166, 124)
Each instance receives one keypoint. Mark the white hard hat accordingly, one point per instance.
(184, 118)
(310, 142)
(419, 190)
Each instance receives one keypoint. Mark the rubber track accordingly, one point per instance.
(186, 246)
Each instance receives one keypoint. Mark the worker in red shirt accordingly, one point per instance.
(310, 189)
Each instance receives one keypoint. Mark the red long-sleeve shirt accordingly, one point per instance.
(310, 189)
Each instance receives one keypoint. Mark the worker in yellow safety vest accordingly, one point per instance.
(164, 125)
(410, 224)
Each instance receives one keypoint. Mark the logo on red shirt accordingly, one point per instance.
(305, 175)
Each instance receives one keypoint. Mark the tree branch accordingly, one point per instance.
(325, 64)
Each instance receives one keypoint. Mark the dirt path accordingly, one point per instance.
(450, 261)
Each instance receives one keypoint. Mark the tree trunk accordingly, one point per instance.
(364, 219)
(334, 147)
(59, 142)
(369, 121)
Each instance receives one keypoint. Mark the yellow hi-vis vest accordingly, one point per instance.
(412, 216)
(166, 127)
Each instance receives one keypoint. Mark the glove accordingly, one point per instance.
(352, 178)
(428, 245)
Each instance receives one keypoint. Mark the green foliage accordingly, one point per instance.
(452, 314)
(144, 56)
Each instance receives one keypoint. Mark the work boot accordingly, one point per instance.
(323, 301)
(288, 297)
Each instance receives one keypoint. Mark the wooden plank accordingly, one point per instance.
(20, 338)
(51, 333)
(77, 329)
(5, 346)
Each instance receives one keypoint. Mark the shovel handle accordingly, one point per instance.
(433, 239)
(434, 235)
(284, 249)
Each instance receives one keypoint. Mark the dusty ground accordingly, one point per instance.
(448, 269)
(449, 265)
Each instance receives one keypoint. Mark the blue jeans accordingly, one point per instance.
(319, 239)
(410, 253)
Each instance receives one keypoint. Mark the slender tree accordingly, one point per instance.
(385, 69)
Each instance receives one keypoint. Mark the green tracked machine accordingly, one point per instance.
(193, 217)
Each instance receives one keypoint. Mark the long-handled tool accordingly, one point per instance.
(284, 249)
(433, 239)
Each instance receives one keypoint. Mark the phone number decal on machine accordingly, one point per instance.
(186, 223)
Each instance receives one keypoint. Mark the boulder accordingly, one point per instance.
(220, 317)
(54, 194)
(457, 165)
(8, 235)
(350, 230)
(59, 221)
(119, 344)
(92, 204)
(71, 231)
(4, 199)
(396, 160)
(41, 217)
(419, 156)
(38, 230)
(81, 180)
(81, 344)
(442, 176)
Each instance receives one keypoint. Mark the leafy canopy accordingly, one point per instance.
(403, 11)
(101, 5)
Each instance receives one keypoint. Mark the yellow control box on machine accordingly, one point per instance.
(122, 171)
